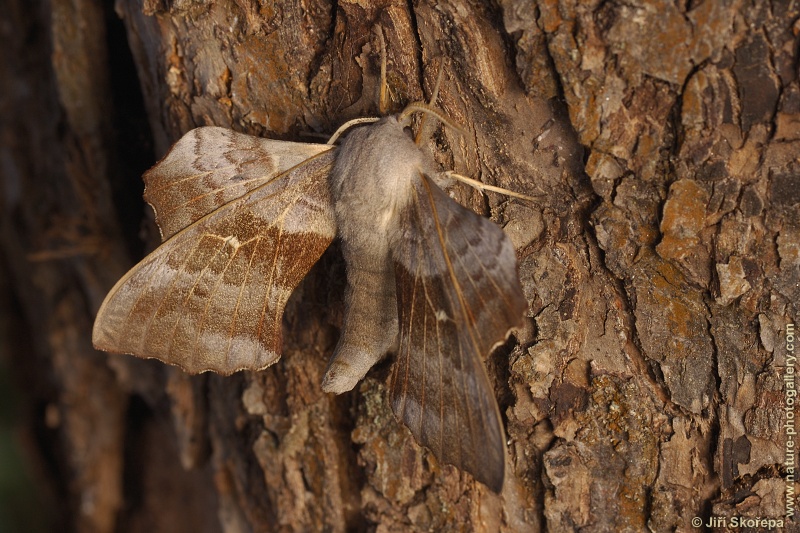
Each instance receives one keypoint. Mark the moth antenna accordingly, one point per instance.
(382, 99)
(422, 107)
(484, 187)
(431, 103)
(435, 93)
(349, 124)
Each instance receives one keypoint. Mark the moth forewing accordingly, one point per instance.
(211, 297)
(458, 296)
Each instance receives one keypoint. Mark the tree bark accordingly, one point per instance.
(660, 260)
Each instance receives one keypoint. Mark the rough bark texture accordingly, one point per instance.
(661, 259)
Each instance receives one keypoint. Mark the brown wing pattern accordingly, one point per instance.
(458, 294)
(209, 167)
(212, 296)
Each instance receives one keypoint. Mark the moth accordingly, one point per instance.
(243, 219)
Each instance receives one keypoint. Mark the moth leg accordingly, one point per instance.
(370, 325)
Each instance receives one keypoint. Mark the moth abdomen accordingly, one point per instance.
(369, 328)
(371, 182)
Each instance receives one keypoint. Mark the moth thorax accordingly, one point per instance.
(372, 177)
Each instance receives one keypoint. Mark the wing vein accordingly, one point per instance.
(234, 316)
(462, 307)
(164, 295)
(209, 301)
(189, 295)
